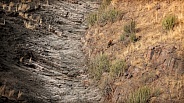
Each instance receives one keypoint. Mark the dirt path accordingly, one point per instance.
(55, 73)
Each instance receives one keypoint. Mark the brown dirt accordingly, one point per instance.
(155, 60)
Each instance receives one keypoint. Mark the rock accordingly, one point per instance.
(126, 74)
(65, 72)
(73, 73)
(153, 100)
(56, 98)
(3, 99)
(129, 76)
(164, 57)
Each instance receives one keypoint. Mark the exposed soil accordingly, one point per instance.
(155, 58)
(46, 63)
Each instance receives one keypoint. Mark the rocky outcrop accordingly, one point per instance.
(164, 57)
(163, 70)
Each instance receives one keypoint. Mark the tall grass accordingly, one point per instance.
(104, 15)
(92, 19)
(118, 68)
(110, 15)
(129, 28)
(169, 22)
(98, 66)
(142, 95)
(129, 31)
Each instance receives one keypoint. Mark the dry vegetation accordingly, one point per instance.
(141, 27)
(11, 95)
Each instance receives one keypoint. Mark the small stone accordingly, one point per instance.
(56, 97)
(129, 76)
(65, 72)
(73, 73)
(126, 74)
(3, 99)
(153, 100)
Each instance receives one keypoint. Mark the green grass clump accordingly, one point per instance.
(169, 22)
(104, 15)
(110, 15)
(98, 66)
(130, 28)
(133, 37)
(122, 37)
(92, 19)
(105, 4)
(114, 15)
(142, 95)
(130, 31)
(118, 68)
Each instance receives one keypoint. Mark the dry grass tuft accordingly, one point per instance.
(118, 68)
(142, 95)
(169, 22)
(10, 94)
(98, 66)
(2, 90)
(104, 17)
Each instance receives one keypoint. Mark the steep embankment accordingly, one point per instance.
(40, 53)
(141, 50)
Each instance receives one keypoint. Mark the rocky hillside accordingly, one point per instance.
(41, 60)
(136, 50)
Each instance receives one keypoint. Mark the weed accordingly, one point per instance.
(2, 90)
(103, 16)
(114, 15)
(130, 27)
(130, 30)
(110, 15)
(19, 94)
(156, 92)
(169, 22)
(104, 4)
(99, 65)
(118, 68)
(133, 37)
(92, 19)
(122, 37)
(142, 95)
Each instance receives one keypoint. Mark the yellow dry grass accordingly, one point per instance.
(9, 93)
(151, 28)
(149, 25)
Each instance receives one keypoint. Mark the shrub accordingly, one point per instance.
(114, 15)
(118, 68)
(104, 15)
(122, 37)
(142, 95)
(133, 37)
(110, 15)
(104, 4)
(130, 28)
(99, 65)
(169, 22)
(92, 19)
